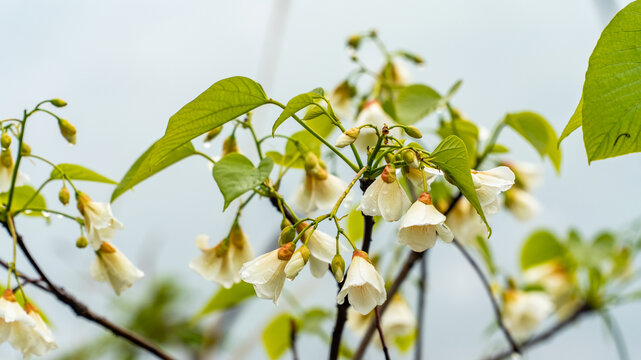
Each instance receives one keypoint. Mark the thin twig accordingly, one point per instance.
(488, 289)
(81, 309)
(380, 333)
(420, 314)
(292, 337)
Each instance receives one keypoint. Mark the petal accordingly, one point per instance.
(392, 201)
(369, 202)
(444, 233)
(261, 269)
(417, 238)
(318, 267)
(322, 246)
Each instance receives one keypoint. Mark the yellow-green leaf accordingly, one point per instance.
(77, 172)
(235, 174)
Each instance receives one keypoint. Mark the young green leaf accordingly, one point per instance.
(415, 102)
(538, 132)
(466, 130)
(540, 247)
(224, 101)
(277, 335)
(143, 168)
(77, 172)
(235, 175)
(227, 298)
(575, 122)
(296, 104)
(611, 92)
(451, 157)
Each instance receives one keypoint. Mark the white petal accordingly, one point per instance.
(392, 201)
(318, 267)
(369, 202)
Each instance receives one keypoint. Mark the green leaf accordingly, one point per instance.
(356, 224)
(77, 172)
(540, 247)
(313, 319)
(612, 90)
(235, 174)
(277, 335)
(404, 343)
(574, 123)
(143, 168)
(451, 157)
(296, 104)
(21, 195)
(464, 129)
(295, 154)
(415, 102)
(224, 101)
(227, 298)
(538, 132)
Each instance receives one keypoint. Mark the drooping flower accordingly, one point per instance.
(373, 114)
(267, 272)
(222, 263)
(523, 311)
(522, 204)
(15, 324)
(41, 340)
(320, 189)
(112, 266)
(421, 224)
(415, 176)
(322, 248)
(398, 320)
(341, 100)
(363, 284)
(466, 224)
(552, 276)
(489, 184)
(385, 197)
(99, 220)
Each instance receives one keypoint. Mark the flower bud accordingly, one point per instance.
(311, 162)
(230, 145)
(389, 174)
(297, 262)
(58, 103)
(409, 157)
(5, 140)
(338, 267)
(285, 223)
(6, 159)
(63, 196)
(389, 157)
(81, 242)
(82, 200)
(287, 235)
(25, 149)
(67, 130)
(211, 135)
(354, 41)
(286, 251)
(413, 131)
(348, 137)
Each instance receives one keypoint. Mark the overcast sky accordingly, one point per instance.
(125, 67)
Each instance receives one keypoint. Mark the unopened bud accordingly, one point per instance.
(82, 200)
(338, 267)
(409, 157)
(354, 41)
(286, 251)
(6, 159)
(285, 223)
(230, 145)
(25, 149)
(311, 161)
(297, 262)
(348, 137)
(389, 174)
(211, 135)
(389, 157)
(81, 242)
(67, 130)
(63, 196)
(413, 131)
(58, 102)
(5, 140)
(287, 235)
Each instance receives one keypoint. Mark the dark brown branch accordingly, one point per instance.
(535, 340)
(26, 280)
(420, 314)
(488, 289)
(380, 333)
(292, 337)
(81, 309)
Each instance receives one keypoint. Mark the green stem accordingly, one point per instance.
(337, 122)
(62, 173)
(371, 158)
(14, 176)
(316, 135)
(258, 149)
(74, 218)
(206, 157)
(34, 195)
(491, 142)
(344, 194)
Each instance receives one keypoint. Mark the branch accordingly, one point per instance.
(81, 309)
(380, 332)
(535, 340)
(292, 338)
(420, 315)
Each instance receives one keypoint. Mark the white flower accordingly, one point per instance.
(373, 114)
(341, 100)
(552, 276)
(524, 311)
(489, 184)
(15, 324)
(100, 222)
(385, 197)
(421, 224)
(5, 178)
(319, 191)
(466, 224)
(400, 73)
(322, 248)
(398, 320)
(415, 176)
(267, 272)
(348, 137)
(528, 176)
(222, 263)
(41, 340)
(297, 262)
(522, 204)
(112, 266)
(363, 284)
